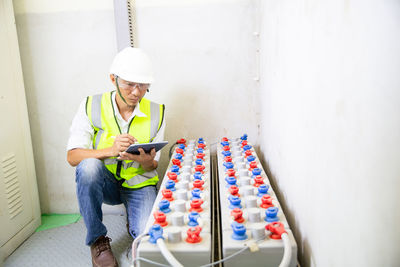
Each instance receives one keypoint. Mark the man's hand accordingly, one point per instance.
(121, 143)
(145, 159)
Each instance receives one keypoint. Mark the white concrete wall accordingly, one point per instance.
(204, 57)
(66, 49)
(203, 53)
(330, 126)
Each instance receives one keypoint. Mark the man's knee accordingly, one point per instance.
(89, 171)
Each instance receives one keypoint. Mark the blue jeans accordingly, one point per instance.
(96, 185)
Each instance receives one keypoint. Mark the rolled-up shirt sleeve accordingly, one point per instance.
(81, 131)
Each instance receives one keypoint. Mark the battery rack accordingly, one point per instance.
(182, 210)
(251, 215)
(216, 209)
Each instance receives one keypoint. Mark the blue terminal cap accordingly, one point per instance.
(251, 158)
(199, 162)
(228, 165)
(197, 176)
(178, 156)
(193, 216)
(239, 231)
(234, 202)
(243, 137)
(262, 190)
(230, 181)
(256, 171)
(200, 150)
(271, 214)
(175, 168)
(164, 206)
(155, 232)
(170, 185)
(200, 141)
(225, 143)
(247, 147)
(226, 153)
(181, 146)
(196, 193)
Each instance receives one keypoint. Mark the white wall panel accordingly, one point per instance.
(203, 54)
(331, 126)
(65, 56)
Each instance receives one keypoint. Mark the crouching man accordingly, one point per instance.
(102, 129)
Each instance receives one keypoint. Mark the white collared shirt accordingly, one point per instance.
(82, 132)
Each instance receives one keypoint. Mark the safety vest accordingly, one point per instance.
(100, 111)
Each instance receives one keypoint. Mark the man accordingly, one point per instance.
(103, 128)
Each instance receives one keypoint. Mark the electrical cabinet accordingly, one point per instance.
(19, 201)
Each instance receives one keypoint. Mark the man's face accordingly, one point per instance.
(130, 91)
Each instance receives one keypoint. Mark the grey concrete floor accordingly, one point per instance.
(65, 246)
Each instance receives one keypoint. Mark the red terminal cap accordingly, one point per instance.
(237, 215)
(244, 143)
(253, 165)
(266, 201)
(230, 172)
(167, 194)
(276, 229)
(178, 162)
(224, 139)
(247, 153)
(234, 190)
(228, 159)
(160, 218)
(258, 180)
(193, 234)
(198, 184)
(173, 176)
(226, 148)
(179, 150)
(200, 168)
(201, 146)
(181, 141)
(195, 205)
(200, 155)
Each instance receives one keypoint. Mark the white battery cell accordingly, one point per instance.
(186, 176)
(182, 194)
(244, 180)
(254, 215)
(174, 234)
(243, 172)
(184, 185)
(177, 218)
(186, 170)
(249, 202)
(187, 228)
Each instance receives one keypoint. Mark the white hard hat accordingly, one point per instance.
(133, 65)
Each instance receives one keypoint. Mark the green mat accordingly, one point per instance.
(50, 221)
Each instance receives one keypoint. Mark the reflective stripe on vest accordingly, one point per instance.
(100, 111)
(138, 179)
(157, 116)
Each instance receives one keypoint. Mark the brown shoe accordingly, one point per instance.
(102, 255)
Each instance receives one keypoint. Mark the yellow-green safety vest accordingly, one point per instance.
(100, 111)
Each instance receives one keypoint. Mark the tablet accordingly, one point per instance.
(147, 147)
